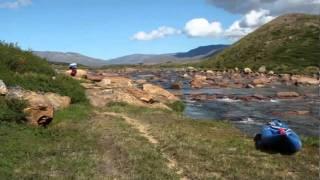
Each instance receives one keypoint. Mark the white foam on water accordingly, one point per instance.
(249, 121)
(228, 100)
(274, 100)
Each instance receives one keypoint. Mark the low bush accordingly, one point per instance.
(177, 106)
(11, 110)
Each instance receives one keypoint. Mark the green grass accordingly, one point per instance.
(215, 149)
(64, 150)
(11, 110)
(128, 155)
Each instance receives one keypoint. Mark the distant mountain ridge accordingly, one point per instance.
(194, 54)
(71, 57)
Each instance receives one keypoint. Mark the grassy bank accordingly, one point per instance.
(79, 145)
(210, 149)
(65, 149)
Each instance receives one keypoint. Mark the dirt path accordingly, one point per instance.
(143, 129)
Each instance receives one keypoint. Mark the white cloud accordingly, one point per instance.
(201, 27)
(250, 22)
(15, 4)
(276, 7)
(161, 32)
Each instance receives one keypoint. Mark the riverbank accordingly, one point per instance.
(148, 140)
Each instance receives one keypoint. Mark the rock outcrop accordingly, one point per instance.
(115, 82)
(58, 102)
(305, 80)
(247, 70)
(159, 93)
(262, 69)
(40, 106)
(3, 88)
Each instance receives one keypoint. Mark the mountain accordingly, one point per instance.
(70, 57)
(288, 43)
(201, 51)
(192, 55)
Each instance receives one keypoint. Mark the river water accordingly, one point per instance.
(250, 116)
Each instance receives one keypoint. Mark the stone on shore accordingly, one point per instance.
(159, 93)
(262, 69)
(3, 88)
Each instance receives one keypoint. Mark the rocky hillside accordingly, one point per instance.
(288, 43)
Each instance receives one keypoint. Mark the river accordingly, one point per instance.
(248, 116)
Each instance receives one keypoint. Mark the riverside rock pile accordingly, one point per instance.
(40, 106)
(116, 88)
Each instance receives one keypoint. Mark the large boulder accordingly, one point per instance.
(3, 88)
(58, 102)
(140, 94)
(285, 77)
(176, 85)
(305, 80)
(247, 70)
(200, 77)
(262, 69)
(159, 93)
(261, 80)
(196, 83)
(39, 110)
(115, 82)
(40, 107)
(287, 94)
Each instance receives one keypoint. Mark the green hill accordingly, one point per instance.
(22, 68)
(289, 43)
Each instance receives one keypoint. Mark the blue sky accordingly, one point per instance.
(106, 28)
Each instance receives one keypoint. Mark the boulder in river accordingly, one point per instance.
(287, 94)
(200, 77)
(176, 85)
(3, 88)
(196, 83)
(305, 80)
(260, 80)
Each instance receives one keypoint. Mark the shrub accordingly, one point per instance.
(177, 106)
(11, 110)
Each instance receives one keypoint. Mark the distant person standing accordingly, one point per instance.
(73, 68)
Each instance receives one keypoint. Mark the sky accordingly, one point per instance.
(108, 29)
